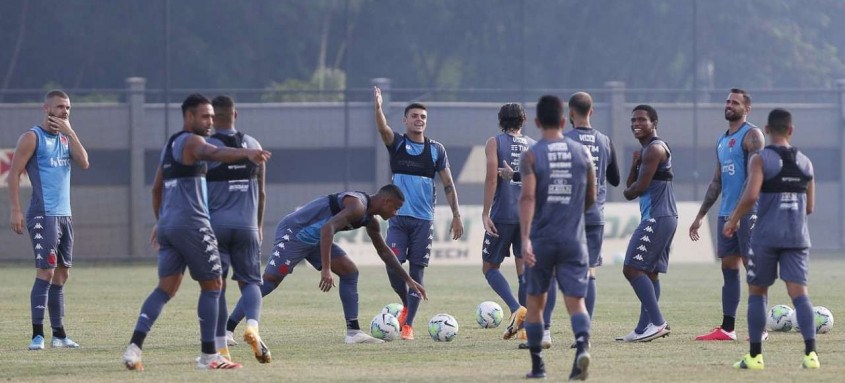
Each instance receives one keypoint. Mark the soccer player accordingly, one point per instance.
(650, 179)
(733, 149)
(780, 179)
(236, 207)
(558, 185)
(183, 233)
(414, 160)
(307, 234)
(45, 152)
(607, 171)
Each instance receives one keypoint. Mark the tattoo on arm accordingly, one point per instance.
(448, 188)
(711, 196)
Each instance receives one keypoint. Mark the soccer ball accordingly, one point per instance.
(385, 327)
(823, 319)
(393, 309)
(489, 314)
(443, 328)
(779, 318)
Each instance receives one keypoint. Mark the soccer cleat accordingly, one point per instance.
(361, 337)
(230, 339)
(132, 358)
(63, 343)
(718, 334)
(515, 323)
(536, 375)
(653, 332)
(764, 338)
(632, 336)
(407, 332)
(546, 343)
(262, 353)
(580, 365)
(403, 316)
(37, 343)
(749, 363)
(224, 352)
(811, 360)
(216, 362)
(521, 334)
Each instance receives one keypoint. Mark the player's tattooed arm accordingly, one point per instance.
(457, 227)
(713, 192)
(754, 141)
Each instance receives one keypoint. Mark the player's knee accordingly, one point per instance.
(487, 266)
(212, 285)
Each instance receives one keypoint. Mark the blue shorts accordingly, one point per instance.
(194, 248)
(496, 249)
(52, 240)
(649, 247)
(410, 239)
(763, 265)
(287, 253)
(239, 249)
(740, 242)
(595, 238)
(566, 262)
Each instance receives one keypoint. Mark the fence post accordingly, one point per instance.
(840, 85)
(137, 189)
(620, 135)
(382, 176)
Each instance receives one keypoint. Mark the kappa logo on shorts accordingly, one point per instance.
(486, 241)
(648, 229)
(38, 226)
(645, 238)
(213, 258)
(285, 238)
(38, 236)
(652, 220)
(642, 248)
(638, 257)
(276, 253)
(38, 246)
(485, 251)
(209, 248)
(216, 267)
(272, 263)
(281, 245)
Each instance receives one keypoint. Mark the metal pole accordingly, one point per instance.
(346, 151)
(522, 53)
(695, 99)
(166, 67)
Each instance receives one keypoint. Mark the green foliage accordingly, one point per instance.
(326, 84)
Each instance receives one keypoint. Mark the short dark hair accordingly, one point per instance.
(56, 93)
(414, 105)
(550, 111)
(223, 102)
(779, 121)
(511, 117)
(581, 103)
(746, 98)
(652, 114)
(392, 191)
(192, 101)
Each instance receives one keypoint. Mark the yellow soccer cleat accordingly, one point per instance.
(811, 360)
(749, 363)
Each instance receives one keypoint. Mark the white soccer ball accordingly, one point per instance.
(823, 319)
(489, 314)
(443, 328)
(393, 309)
(779, 318)
(385, 326)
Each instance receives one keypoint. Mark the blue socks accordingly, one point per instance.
(38, 300)
(581, 329)
(222, 316)
(522, 293)
(805, 316)
(207, 308)
(730, 297)
(416, 272)
(551, 297)
(348, 290)
(251, 300)
(247, 303)
(150, 310)
(645, 291)
(501, 286)
(644, 321)
(534, 331)
(56, 305)
(756, 318)
(590, 299)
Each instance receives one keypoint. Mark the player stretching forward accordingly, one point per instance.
(558, 185)
(733, 149)
(781, 178)
(307, 234)
(650, 179)
(414, 161)
(183, 232)
(236, 206)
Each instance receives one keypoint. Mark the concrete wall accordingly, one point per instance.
(316, 152)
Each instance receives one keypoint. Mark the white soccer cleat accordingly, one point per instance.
(547, 339)
(132, 358)
(632, 336)
(361, 337)
(63, 343)
(216, 362)
(230, 339)
(653, 332)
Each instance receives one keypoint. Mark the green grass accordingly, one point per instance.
(304, 328)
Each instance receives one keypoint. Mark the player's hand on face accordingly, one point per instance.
(326, 280)
(457, 228)
(16, 222)
(58, 125)
(693, 230)
(506, 172)
(489, 226)
(528, 254)
(418, 288)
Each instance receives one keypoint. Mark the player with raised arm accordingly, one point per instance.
(780, 183)
(733, 148)
(558, 185)
(650, 179)
(46, 152)
(307, 234)
(414, 160)
(183, 233)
